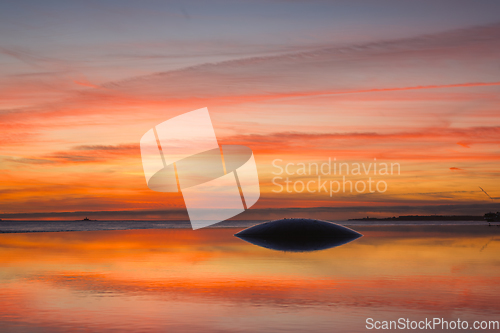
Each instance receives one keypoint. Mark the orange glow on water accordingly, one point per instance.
(407, 270)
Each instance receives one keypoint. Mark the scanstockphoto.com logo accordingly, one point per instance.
(216, 182)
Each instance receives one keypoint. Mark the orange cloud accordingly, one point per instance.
(86, 83)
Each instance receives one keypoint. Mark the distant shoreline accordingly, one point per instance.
(7, 227)
(424, 218)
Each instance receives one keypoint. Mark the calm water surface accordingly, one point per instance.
(180, 280)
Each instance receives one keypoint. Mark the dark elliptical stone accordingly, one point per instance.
(298, 235)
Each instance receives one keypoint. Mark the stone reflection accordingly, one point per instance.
(298, 235)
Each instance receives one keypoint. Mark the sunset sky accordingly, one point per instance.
(415, 83)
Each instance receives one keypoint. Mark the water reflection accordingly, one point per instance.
(160, 280)
(297, 244)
